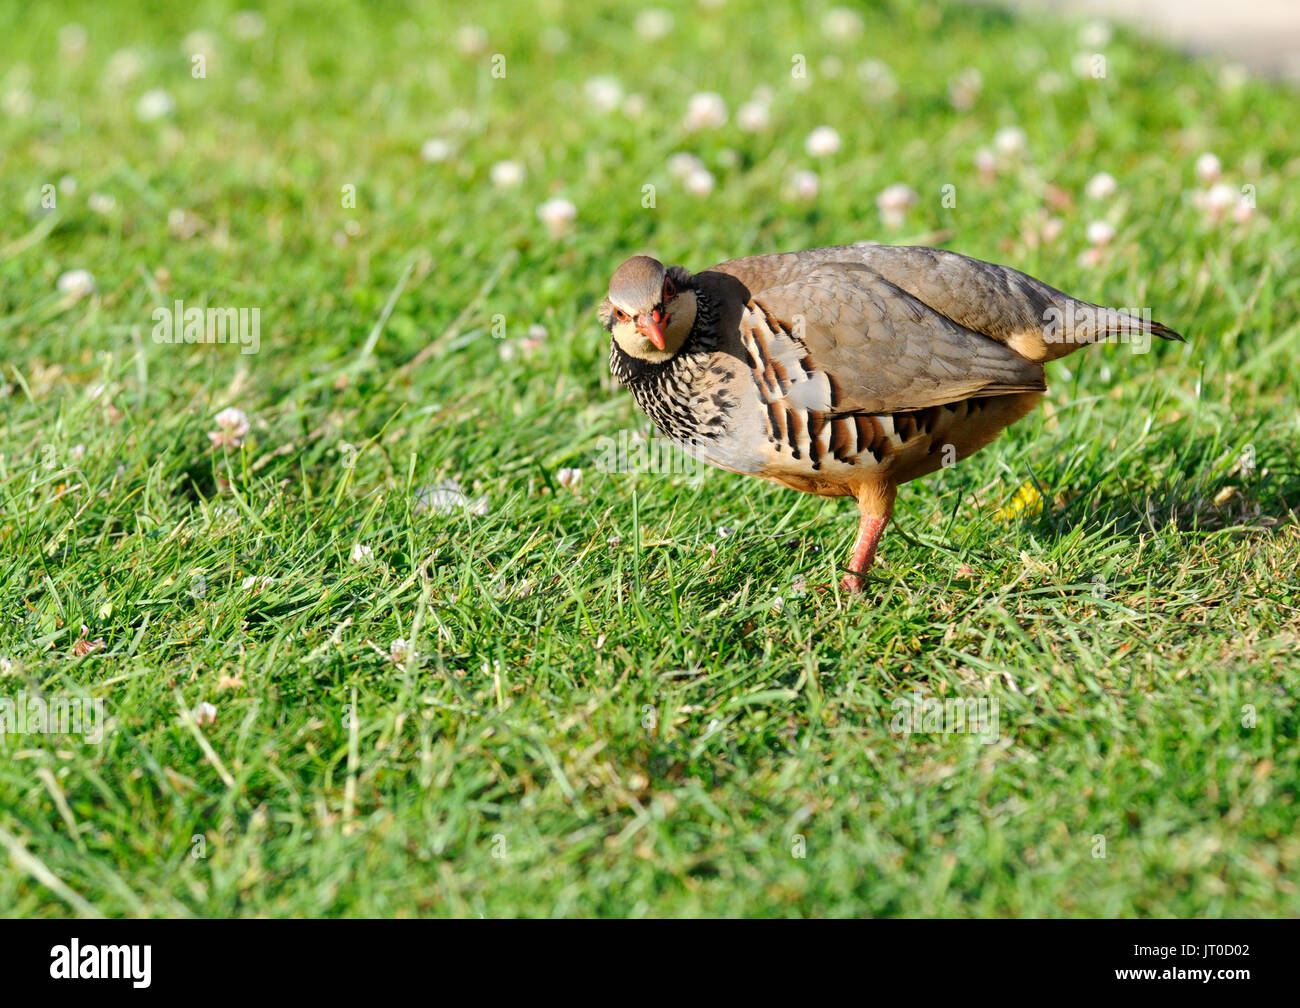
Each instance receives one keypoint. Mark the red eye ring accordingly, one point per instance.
(670, 288)
(620, 315)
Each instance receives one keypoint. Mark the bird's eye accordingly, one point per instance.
(620, 314)
(670, 289)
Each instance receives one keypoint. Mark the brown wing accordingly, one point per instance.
(882, 348)
(1001, 303)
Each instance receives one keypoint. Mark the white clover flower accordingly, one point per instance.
(1100, 233)
(507, 174)
(1050, 82)
(361, 553)
(247, 25)
(460, 119)
(557, 215)
(471, 39)
(1010, 141)
(1233, 76)
(554, 39)
(804, 184)
(123, 67)
(199, 43)
(1101, 186)
(879, 80)
(1085, 64)
(154, 105)
(705, 110)
(17, 102)
(101, 203)
(699, 182)
(569, 478)
(1095, 35)
(840, 24)
(653, 24)
(1217, 201)
(635, 106)
(964, 89)
(204, 714)
(894, 202)
(436, 149)
(1208, 168)
(72, 41)
(986, 163)
(232, 427)
(77, 284)
(183, 225)
(753, 116)
(604, 94)
(533, 339)
(824, 141)
(682, 164)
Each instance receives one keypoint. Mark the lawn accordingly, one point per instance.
(380, 651)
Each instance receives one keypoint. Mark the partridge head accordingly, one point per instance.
(649, 312)
(844, 371)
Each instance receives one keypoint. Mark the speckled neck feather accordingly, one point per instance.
(663, 390)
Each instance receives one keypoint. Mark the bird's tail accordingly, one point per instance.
(1072, 324)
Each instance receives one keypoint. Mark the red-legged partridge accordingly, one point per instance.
(843, 371)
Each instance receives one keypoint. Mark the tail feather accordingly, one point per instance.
(1073, 324)
(1165, 333)
(1034, 319)
(1122, 323)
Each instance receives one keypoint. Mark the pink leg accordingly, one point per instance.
(870, 529)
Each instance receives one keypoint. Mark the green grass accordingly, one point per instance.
(608, 712)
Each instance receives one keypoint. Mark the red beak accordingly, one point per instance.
(652, 325)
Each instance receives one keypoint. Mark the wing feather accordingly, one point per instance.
(884, 349)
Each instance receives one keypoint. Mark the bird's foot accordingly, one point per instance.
(853, 583)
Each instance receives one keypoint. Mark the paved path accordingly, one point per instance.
(1263, 35)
